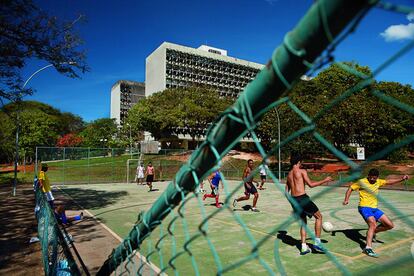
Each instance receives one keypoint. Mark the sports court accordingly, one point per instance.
(232, 234)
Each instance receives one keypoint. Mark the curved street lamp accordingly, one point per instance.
(19, 98)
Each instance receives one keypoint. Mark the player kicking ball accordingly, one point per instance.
(368, 205)
(296, 180)
(214, 179)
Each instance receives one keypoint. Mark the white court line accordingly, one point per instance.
(156, 269)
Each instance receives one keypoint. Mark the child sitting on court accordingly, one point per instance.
(60, 215)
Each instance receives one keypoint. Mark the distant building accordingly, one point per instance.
(125, 94)
(172, 65)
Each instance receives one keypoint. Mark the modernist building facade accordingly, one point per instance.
(124, 94)
(172, 65)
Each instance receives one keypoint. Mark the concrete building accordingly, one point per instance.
(124, 94)
(172, 65)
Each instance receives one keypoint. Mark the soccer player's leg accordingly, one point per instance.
(245, 197)
(256, 197)
(386, 223)
(369, 217)
(216, 192)
(304, 247)
(318, 225)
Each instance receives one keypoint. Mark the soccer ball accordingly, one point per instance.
(327, 226)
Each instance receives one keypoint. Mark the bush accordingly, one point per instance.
(397, 156)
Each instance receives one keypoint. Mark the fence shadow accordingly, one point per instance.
(88, 198)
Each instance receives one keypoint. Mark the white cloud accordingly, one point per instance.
(400, 32)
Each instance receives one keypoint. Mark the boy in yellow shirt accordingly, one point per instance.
(368, 205)
(45, 184)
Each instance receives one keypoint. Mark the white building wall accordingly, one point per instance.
(116, 103)
(155, 73)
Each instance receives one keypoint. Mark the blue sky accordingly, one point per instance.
(119, 35)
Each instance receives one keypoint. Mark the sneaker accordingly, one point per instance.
(305, 251)
(218, 205)
(318, 248)
(370, 252)
(254, 209)
(234, 203)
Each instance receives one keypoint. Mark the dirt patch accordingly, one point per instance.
(255, 156)
(17, 226)
(232, 154)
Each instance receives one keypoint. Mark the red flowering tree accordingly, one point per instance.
(69, 140)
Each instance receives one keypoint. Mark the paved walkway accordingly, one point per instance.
(93, 241)
(17, 226)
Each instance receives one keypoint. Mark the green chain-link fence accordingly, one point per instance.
(113, 165)
(56, 256)
(305, 49)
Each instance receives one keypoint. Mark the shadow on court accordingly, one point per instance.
(90, 199)
(289, 240)
(354, 235)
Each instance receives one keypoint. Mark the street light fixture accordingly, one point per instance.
(18, 100)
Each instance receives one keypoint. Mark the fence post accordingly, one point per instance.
(113, 165)
(64, 160)
(89, 169)
(35, 169)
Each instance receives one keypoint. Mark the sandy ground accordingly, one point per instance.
(17, 226)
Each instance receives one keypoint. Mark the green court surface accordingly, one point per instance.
(117, 206)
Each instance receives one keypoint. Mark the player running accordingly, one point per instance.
(263, 173)
(249, 188)
(214, 179)
(368, 205)
(296, 180)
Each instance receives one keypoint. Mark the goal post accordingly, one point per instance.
(135, 162)
(128, 170)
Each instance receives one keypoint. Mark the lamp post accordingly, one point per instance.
(18, 100)
(278, 141)
(130, 141)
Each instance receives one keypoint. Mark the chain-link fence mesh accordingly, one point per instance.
(56, 256)
(170, 237)
(112, 165)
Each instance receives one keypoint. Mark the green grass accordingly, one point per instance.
(118, 205)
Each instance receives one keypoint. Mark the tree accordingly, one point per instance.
(40, 125)
(177, 111)
(37, 128)
(70, 123)
(27, 32)
(69, 140)
(361, 118)
(99, 133)
(6, 137)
